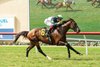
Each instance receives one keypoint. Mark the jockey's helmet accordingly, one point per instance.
(60, 16)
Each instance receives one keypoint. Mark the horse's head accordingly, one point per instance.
(72, 25)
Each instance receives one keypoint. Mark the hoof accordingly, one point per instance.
(49, 58)
(79, 53)
(26, 57)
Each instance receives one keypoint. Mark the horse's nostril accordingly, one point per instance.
(79, 30)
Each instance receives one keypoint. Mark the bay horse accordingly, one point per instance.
(45, 3)
(94, 2)
(58, 37)
(66, 4)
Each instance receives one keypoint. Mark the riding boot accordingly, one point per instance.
(49, 35)
(52, 29)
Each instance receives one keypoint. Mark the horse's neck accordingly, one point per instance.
(65, 27)
(63, 30)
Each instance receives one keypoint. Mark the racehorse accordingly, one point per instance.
(66, 4)
(94, 2)
(45, 2)
(58, 37)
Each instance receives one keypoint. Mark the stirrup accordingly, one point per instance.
(49, 39)
(47, 35)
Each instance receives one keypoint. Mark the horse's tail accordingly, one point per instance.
(23, 33)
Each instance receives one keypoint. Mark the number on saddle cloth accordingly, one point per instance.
(43, 32)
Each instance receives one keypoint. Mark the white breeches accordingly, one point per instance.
(48, 22)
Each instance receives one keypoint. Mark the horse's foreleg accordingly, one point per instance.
(68, 52)
(93, 3)
(68, 45)
(43, 4)
(98, 5)
(40, 50)
(69, 6)
(63, 43)
(29, 48)
(37, 3)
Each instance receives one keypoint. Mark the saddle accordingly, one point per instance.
(44, 33)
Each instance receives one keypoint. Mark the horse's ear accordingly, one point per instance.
(63, 22)
(69, 18)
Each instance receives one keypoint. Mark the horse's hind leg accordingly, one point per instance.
(40, 50)
(29, 48)
(63, 43)
(69, 6)
(39, 1)
(98, 5)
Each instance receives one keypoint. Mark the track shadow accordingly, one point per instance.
(78, 59)
(73, 10)
(68, 10)
(60, 59)
(85, 59)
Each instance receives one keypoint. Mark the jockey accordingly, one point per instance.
(53, 22)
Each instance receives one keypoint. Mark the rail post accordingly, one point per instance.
(86, 45)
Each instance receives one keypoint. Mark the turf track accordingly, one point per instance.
(14, 56)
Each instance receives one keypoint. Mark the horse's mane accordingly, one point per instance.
(65, 21)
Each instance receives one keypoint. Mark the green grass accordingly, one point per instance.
(87, 16)
(14, 56)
